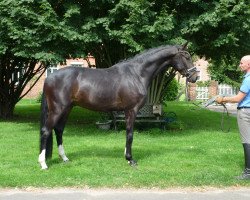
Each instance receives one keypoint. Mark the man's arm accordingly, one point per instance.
(234, 99)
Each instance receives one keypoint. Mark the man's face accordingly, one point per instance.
(244, 65)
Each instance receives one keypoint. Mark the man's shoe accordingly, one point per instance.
(245, 175)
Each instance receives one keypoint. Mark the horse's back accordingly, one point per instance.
(85, 87)
(107, 89)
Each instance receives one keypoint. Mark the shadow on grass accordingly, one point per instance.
(82, 121)
(140, 153)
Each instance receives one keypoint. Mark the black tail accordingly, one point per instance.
(44, 116)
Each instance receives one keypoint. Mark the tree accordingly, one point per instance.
(220, 32)
(117, 29)
(31, 37)
(40, 31)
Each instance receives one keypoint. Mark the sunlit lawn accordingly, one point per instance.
(192, 152)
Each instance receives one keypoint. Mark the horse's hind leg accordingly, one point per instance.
(59, 128)
(46, 138)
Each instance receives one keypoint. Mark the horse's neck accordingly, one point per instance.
(151, 68)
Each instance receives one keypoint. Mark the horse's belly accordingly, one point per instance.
(100, 106)
(98, 102)
(107, 98)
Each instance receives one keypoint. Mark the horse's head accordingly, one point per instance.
(182, 62)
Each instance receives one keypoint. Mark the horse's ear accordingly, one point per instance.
(184, 46)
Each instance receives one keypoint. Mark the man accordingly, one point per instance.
(243, 113)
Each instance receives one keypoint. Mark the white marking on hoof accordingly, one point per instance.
(62, 153)
(43, 165)
(41, 160)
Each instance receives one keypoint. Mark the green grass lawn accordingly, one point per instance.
(193, 152)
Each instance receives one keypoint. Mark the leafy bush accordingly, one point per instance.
(39, 98)
(203, 83)
(172, 91)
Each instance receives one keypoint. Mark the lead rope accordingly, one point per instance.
(225, 112)
(223, 117)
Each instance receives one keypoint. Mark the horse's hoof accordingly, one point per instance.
(43, 165)
(64, 158)
(43, 168)
(132, 163)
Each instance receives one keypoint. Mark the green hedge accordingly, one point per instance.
(172, 91)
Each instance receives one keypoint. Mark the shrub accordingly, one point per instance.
(172, 91)
(39, 98)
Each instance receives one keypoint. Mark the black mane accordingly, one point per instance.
(146, 53)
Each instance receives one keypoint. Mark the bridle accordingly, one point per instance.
(191, 71)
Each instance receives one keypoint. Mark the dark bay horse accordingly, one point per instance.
(122, 87)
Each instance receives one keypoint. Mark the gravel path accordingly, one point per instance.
(108, 194)
(232, 108)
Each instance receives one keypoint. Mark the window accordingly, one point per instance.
(51, 69)
(198, 75)
(77, 64)
(17, 74)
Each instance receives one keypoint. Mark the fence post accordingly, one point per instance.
(192, 91)
(213, 89)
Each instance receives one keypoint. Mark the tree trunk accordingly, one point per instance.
(15, 74)
(6, 109)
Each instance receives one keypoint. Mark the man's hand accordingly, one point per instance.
(219, 99)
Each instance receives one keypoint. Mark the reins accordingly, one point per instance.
(223, 118)
(225, 112)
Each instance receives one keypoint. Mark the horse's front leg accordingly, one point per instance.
(130, 119)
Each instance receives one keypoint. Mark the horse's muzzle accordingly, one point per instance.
(191, 75)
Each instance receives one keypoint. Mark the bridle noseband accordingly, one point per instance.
(190, 72)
